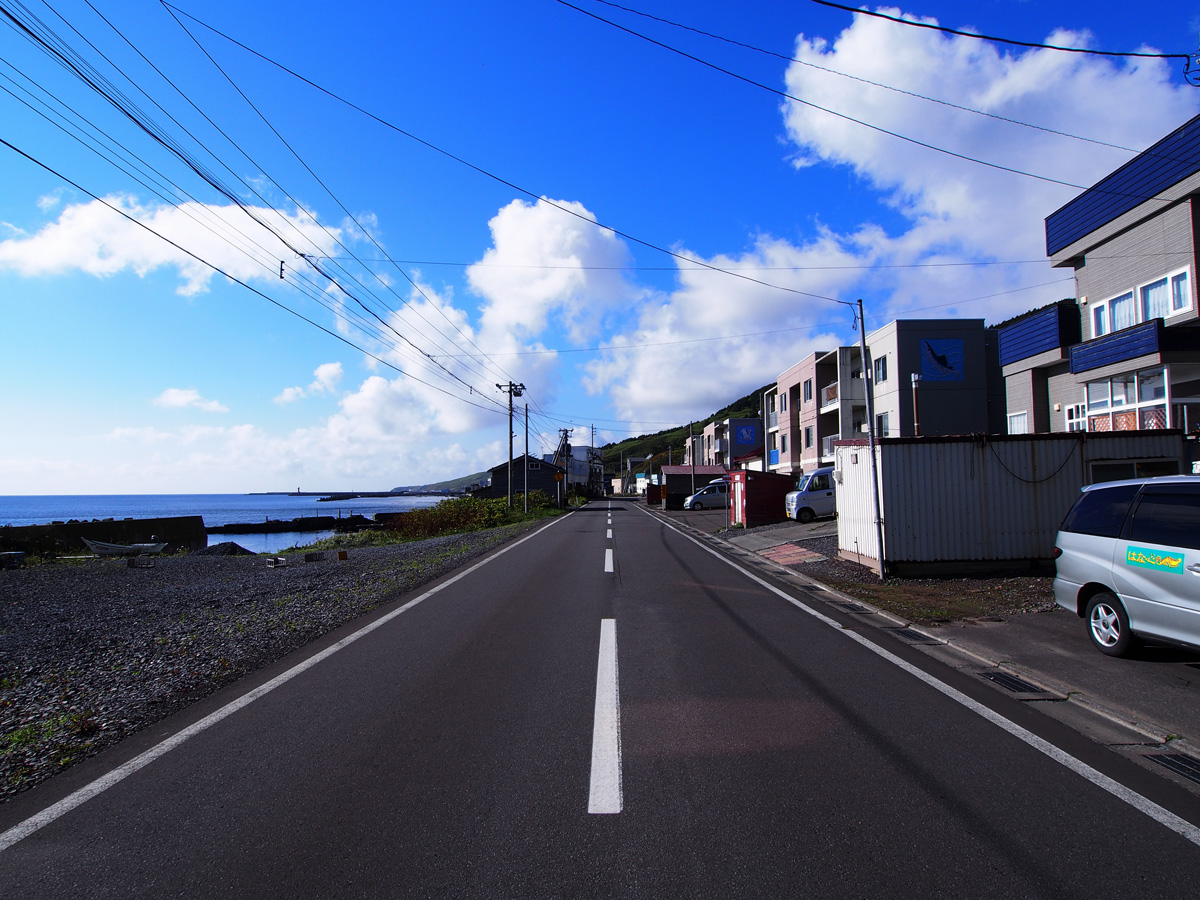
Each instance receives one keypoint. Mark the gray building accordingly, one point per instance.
(1126, 354)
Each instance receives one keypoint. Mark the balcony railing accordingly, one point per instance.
(774, 457)
(829, 394)
(772, 419)
(827, 445)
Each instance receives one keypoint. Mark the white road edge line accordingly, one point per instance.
(87, 792)
(1161, 815)
(608, 560)
(604, 793)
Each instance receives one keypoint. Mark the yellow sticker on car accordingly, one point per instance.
(1154, 559)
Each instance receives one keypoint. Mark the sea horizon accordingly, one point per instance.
(216, 509)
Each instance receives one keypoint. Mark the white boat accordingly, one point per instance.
(101, 548)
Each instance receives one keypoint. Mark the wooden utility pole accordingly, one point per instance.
(513, 390)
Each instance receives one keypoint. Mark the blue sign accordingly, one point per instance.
(747, 434)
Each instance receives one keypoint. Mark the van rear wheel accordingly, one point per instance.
(1108, 625)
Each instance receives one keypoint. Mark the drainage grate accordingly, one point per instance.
(850, 607)
(913, 637)
(1179, 763)
(1012, 682)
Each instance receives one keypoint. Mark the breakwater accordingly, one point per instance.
(179, 532)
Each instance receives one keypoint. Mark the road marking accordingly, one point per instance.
(610, 534)
(87, 792)
(1163, 816)
(608, 560)
(604, 793)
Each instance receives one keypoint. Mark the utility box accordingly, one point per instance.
(757, 498)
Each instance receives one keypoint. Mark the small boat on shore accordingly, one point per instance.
(102, 548)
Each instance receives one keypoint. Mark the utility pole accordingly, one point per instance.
(868, 390)
(692, 454)
(513, 390)
(526, 481)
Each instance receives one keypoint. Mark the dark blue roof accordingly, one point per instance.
(1050, 328)
(1169, 161)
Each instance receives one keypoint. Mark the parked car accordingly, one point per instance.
(711, 496)
(814, 496)
(1127, 560)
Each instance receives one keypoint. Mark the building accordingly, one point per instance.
(935, 377)
(1126, 354)
(726, 440)
(823, 398)
(541, 478)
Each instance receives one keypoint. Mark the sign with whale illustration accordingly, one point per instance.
(942, 360)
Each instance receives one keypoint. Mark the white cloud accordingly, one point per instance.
(545, 263)
(290, 395)
(181, 398)
(936, 213)
(93, 238)
(327, 376)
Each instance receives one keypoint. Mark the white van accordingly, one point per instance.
(813, 497)
(1128, 562)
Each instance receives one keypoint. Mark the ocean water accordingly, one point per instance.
(217, 509)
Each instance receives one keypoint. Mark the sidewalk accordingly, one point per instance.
(1141, 707)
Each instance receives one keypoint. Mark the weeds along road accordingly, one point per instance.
(606, 708)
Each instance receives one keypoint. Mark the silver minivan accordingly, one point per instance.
(711, 496)
(1127, 558)
(813, 497)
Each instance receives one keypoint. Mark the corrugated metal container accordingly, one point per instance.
(949, 501)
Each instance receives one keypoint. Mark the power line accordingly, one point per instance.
(832, 112)
(487, 174)
(999, 40)
(886, 87)
(231, 277)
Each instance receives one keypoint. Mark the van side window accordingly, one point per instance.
(1101, 512)
(820, 482)
(1168, 515)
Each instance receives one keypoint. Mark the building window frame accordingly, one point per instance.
(1145, 401)
(1018, 422)
(808, 390)
(1178, 286)
(881, 372)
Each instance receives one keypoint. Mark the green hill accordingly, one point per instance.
(454, 484)
(673, 439)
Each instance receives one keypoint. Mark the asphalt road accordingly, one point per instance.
(562, 721)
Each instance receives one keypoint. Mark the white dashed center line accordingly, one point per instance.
(608, 560)
(604, 795)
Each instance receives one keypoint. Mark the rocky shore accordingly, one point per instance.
(94, 650)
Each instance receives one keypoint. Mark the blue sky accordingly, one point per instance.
(130, 367)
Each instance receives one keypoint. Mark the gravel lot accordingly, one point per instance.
(93, 650)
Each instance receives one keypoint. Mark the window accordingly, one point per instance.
(1181, 294)
(820, 482)
(881, 369)
(1077, 417)
(1165, 296)
(1121, 312)
(1168, 515)
(808, 391)
(881, 425)
(783, 443)
(534, 465)
(1018, 423)
(783, 402)
(808, 438)
(1125, 402)
(1101, 512)
(1155, 300)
